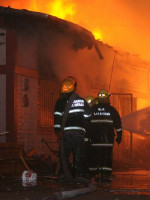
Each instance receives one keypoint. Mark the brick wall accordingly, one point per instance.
(26, 111)
(27, 117)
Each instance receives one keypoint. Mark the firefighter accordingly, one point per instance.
(74, 129)
(105, 121)
(89, 99)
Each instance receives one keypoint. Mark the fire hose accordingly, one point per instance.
(90, 186)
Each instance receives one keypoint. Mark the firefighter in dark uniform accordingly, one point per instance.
(89, 99)
(105, 121)
(79, 117)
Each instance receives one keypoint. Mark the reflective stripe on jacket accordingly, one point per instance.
(79, 114)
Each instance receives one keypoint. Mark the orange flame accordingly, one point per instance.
(62, 9)
(97, 34)
(124, 24)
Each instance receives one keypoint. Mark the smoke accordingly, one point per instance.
(59, 58)
(123, 24)
(54, 54)
(137, 122)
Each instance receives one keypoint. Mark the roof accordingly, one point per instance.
(17, 18)
(52, 22)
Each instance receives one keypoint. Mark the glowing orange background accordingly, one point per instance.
(125, 25)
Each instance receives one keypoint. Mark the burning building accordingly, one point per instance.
(37, 52)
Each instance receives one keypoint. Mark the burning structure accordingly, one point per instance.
(37, 52)
(28, 42)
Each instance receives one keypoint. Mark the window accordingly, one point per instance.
(49, 92)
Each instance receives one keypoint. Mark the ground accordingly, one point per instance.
(131, 185)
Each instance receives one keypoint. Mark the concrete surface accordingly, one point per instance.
(131, 185)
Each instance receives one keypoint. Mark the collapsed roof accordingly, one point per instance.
(19, 18)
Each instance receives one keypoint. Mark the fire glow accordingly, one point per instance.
(121, 24)
(63, 9)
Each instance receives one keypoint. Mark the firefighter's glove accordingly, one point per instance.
(119, 138)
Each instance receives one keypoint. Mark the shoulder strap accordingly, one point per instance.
(66, 111)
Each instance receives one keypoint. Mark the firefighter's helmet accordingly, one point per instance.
(95, 101)
(89, 99)
(68, 85)
(103, 94)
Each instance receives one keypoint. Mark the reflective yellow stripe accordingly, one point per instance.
(57, 126)
(107, 168)
(74, 128)
(102, 145)
(101, 121)
(76, 110)
(87, 115)
(93, 168)
(58, 113)
(119, 129)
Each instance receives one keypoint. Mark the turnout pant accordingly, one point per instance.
(74, 143)
(101, 159)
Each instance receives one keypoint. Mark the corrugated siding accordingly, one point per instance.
(48, 94)
(2, 106)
